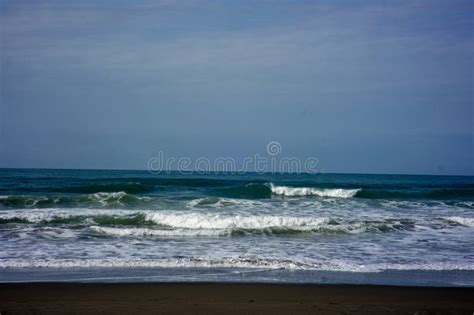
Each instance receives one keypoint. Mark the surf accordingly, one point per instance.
(307, 191)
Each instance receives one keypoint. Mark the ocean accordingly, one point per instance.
(103, 225)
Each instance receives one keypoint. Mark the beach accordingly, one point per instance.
(207, 298)
(236, 157)
(88, 241)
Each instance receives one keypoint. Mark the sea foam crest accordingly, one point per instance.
(188, 224)
(308, 191)
(462, 220)
(248, 222)
(120, 197)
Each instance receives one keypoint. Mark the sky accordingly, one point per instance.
(363, 86)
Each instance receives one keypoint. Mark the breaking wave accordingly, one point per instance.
(85, 218)
(243, 222)
(306, 191)
(469, 222)
(266, 190)
(190, 224)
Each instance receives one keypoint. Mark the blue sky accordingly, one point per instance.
(363, 86)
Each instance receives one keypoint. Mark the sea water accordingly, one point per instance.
(138, 226)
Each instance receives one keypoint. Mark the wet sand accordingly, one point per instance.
(202, 298)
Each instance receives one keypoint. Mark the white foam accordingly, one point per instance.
(31, 202)
(105, 198)
(55, 233)
(469, 204)
(229, 262)
(461, 220)
(178, 219)
(156, 232)
(195, 220)
(307, 191)
(208, 223)
(152, 263)
(117, 194)
(214, 232)
(219, 202)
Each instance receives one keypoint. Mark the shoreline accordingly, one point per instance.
(60, 298)
(416, 278)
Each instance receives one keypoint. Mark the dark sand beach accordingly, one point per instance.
(202, 298)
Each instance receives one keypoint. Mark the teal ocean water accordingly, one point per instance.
(288, 224)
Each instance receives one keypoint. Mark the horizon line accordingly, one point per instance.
(192, 172)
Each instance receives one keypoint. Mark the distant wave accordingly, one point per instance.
(115, 200)
(128, 187)
(306, 191)
(222, 196)
(121, 197)
(102, 199)
(266, 190)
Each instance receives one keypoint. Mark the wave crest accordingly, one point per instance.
(469, 222)
(249, 222)
(116, 198)
(188, 224)
(307, 191)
